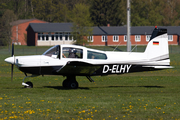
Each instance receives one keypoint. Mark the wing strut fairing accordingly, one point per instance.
(90, 79)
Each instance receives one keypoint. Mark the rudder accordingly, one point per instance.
(157, 48)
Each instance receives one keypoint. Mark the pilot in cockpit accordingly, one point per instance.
(72, 53)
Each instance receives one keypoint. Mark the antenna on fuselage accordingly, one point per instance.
(134, 48)
(116, 46)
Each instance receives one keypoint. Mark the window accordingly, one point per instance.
(40, 36)
(148, 37)
(104, 38)
(53, 52)
(170, 37)
(137, 38)
(95, 55)
(70, 52)
(58, 36)
(52, 37)
(43, 36)
(90, 38)
(68, 37)
(115, 38)
(47, 37)
(125, 38)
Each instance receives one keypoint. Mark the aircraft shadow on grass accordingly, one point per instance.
(141, 86)
(62, 88)
(88, 88)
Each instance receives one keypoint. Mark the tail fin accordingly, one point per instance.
(157, 48)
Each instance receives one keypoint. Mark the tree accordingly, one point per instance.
(171, 13)
(62, 13)
(155, 12)
(82, 25)
(105, 12)
(21, 8)
(139, 12)
(6, 27)
(99, 12)
(43, 9)
(121, 11)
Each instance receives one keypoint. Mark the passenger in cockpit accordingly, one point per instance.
(72, 53)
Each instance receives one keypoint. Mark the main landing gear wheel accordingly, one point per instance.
(70, 83)
(73, 84)
(65, 83)
(30, 84)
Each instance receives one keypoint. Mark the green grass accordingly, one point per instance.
(145, 95)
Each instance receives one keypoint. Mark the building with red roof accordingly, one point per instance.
(19, 33)
(49, 34)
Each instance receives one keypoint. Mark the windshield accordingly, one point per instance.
(53, 52)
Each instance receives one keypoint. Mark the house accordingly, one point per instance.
(49, 34)
(140, 35)
(19, 33)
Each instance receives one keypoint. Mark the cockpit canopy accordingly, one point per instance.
(53, 52)
(74, 52)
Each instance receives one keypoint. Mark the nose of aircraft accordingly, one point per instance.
(9, 60)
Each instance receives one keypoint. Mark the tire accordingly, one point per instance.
(65, 83)
(30, 85)
(73, 84)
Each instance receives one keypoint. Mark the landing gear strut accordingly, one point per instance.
(28, 84)
(70, 82)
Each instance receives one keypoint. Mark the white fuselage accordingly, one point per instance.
(54, 59)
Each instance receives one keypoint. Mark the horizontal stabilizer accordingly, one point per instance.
(159, 67)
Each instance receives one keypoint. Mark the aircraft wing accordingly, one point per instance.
(78, 68)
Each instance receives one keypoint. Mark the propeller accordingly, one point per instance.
(12, 65)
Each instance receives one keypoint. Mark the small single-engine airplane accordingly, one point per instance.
(73, 60)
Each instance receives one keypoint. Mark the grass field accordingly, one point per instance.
(147, 95)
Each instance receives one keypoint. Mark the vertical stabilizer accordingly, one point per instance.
(157, 48)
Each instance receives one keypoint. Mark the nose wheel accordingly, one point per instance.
(70, 83)
(28, 84)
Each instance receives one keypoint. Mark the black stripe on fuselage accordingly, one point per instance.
(86, 69)
(123, 68)
(163, 59)
(44, 70)
(119, 69)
